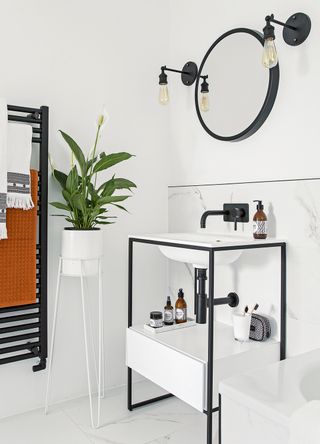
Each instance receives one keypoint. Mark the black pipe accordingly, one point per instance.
(201, 307)
(232, 300)
(205, 215)
(195, 291)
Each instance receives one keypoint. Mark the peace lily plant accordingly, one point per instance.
(87, 202)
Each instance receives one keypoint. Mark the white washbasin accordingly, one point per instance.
(203, 238)
(200, 259)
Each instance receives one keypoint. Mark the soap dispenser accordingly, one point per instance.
(181, 308)
(260, 222)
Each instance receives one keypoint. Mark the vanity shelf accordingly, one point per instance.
(189, 363)
(177, 360)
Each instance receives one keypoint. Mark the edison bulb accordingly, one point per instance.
(204, 102)
(164, 94)
(270, 56)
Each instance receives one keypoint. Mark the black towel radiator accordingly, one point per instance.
(23, 328)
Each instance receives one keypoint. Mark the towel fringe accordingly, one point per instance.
(3, 231)
(22, 201)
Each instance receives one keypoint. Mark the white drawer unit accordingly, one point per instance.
(177, 360)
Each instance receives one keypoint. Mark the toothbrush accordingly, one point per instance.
(246, 309)
(255, 308)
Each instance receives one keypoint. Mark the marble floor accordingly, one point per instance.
(169, 421)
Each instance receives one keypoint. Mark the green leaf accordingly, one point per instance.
(120, 207)
(111, 159)
(72, 221)
(110, 199)
(78, 201)
(66, 195)
(60, 205)
(60, 177)
(116, 184)
(93, 193)
(78, 154)
(72, 180)
(104, 223)
(89, 163)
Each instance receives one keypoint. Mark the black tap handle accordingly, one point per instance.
(235, 223)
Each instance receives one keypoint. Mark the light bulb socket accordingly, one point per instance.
(163, 78)
(268, 30)
(204, 85)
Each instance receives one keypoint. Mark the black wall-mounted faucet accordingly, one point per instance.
(233, 212)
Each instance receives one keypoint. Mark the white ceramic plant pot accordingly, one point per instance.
(81, 245)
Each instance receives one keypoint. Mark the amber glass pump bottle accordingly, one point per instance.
(260, 222)
(168, 313)
(181, 308)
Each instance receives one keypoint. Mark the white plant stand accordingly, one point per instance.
(100, 373)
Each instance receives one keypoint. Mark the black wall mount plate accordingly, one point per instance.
(231, 209)
(302, 23)
(190, 72)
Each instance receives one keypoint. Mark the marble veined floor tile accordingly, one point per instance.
(36, 428)
(168, 421)
(144, 425)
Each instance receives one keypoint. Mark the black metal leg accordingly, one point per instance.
(130, 404)
(220, 414)
(283, 303)
(130, 254)
(210, 349)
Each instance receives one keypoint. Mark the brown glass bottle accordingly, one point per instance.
(168, 313)
(181, 308)
(260, 222)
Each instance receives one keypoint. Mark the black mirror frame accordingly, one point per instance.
(274, 76)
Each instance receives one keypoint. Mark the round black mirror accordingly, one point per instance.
(242, 91)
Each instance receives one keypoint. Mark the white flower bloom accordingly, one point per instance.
(103, 118)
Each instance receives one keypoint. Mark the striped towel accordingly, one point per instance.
(15, 155)
(3, 167)
(19, 146)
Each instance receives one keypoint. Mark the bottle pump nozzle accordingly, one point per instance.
(259, 205)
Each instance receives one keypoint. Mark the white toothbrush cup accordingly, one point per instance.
(241, 326)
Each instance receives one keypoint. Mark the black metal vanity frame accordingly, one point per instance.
(27, 324)
(211, 252)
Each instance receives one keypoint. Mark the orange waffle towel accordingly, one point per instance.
(18, 254)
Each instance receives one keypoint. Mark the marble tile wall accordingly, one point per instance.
(293, 209)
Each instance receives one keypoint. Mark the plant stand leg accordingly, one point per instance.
(101, 332)
(86, 342)
(53, 336)
(93, 425)
(99, 342)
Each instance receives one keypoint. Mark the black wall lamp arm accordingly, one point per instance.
(271, 19)
(295, 30)
(188, 73)
(165, 68)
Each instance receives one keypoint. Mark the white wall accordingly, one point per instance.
(286, 146)
(75, 56)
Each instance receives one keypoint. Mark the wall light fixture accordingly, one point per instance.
(188, 76)
(295, 31)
